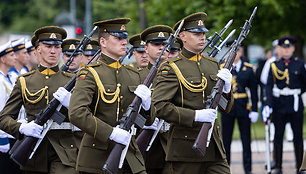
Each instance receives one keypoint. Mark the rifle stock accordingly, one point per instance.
(216, 94)
(112, 163)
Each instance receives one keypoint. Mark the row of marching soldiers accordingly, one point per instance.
(175, 103)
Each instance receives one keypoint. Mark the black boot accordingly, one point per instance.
(278, 150)
(298, 150)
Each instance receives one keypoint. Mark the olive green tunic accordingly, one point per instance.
(58, 145)
(176, 104)
(93, 110)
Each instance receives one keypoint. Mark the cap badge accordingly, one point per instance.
(52, 36)
(72, 47)
(161, 34)
(142, 42)
(123, 28)
(286, 41)
(89, 46)
(200, 23)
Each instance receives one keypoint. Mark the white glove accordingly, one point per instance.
(144, 93)
(63, 96)
(120, 136)
(153, 126)
(253, 116)
(266, 113)
(205, 115)
(31, 129)
(4, 145)
(226, 76)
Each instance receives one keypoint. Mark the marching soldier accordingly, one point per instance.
(286, 80)
(139, 53)
(90, 49)
(182, 86)
(57, 152)
(154, 38)
(68, 46)
(7, 61)
(101, 96)
(243, 77)
(176, 48)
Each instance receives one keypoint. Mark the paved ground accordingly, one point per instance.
(258, 158)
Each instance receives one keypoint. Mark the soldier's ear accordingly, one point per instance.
(182, 36)
(102, 41)
(146, 48)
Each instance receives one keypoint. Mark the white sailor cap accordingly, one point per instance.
(18, 44)
(29, 46)
(6, 48)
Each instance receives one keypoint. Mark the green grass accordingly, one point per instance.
(259, 128)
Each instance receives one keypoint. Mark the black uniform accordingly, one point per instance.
(242, 79)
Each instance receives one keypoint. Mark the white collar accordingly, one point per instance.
(237, 65)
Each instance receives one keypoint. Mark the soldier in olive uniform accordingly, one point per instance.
(154, 38)
(138, 51)
(182, 86)
(101, 96)
(57, 152)
(68, 46)
(90, 49)
(176, 48)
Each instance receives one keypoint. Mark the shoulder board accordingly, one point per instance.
(248, 64)
(210, 58)
(174, 59)
(68, 74)
(130, 68)
(97, 63)
(26, 74)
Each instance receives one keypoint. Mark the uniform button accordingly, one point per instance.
(286, 64)
(117, 72)
(295, 72)
(218, 127)
(93, 145)
(108, 90)
(46, 97)
(121, 97)
(122, 110)
(185, 136)
(46, 87)
(198, 63)
(71, 145)
(119, 84)
(191, 81)
(47, 77)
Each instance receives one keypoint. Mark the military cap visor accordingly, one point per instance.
(115, 27)
(193, 23)
(51, 35)
(140, 48)
(156, 34)
(69, 52)
(89, 52)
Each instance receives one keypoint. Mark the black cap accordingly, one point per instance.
(286, 41)
(156, 34)
(91, 48)
(193, 23)
(52, 35)
(115, 27)
(69, 45)
(137, 43)
(34, 41)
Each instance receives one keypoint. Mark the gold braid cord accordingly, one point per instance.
(280, 75)
(192, 88)
(25, 91)
(103, 92)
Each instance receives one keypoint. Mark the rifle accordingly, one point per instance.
(129, 117)
(22, 149)
(218, 48)
(216, 98)
(212, 40)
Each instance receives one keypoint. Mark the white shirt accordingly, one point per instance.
(265, 70)
(237, 66)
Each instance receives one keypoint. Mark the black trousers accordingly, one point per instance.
(228, 122)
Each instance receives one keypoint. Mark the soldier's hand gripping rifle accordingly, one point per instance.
(112, 163)
(216, 99)
(22, 149)
(213, 40)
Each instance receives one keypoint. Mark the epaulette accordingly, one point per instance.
(97, 63)
(26, 74)
(248, 64)
(131, 68)
(211, 59)
(174, 59)
(68, 74)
